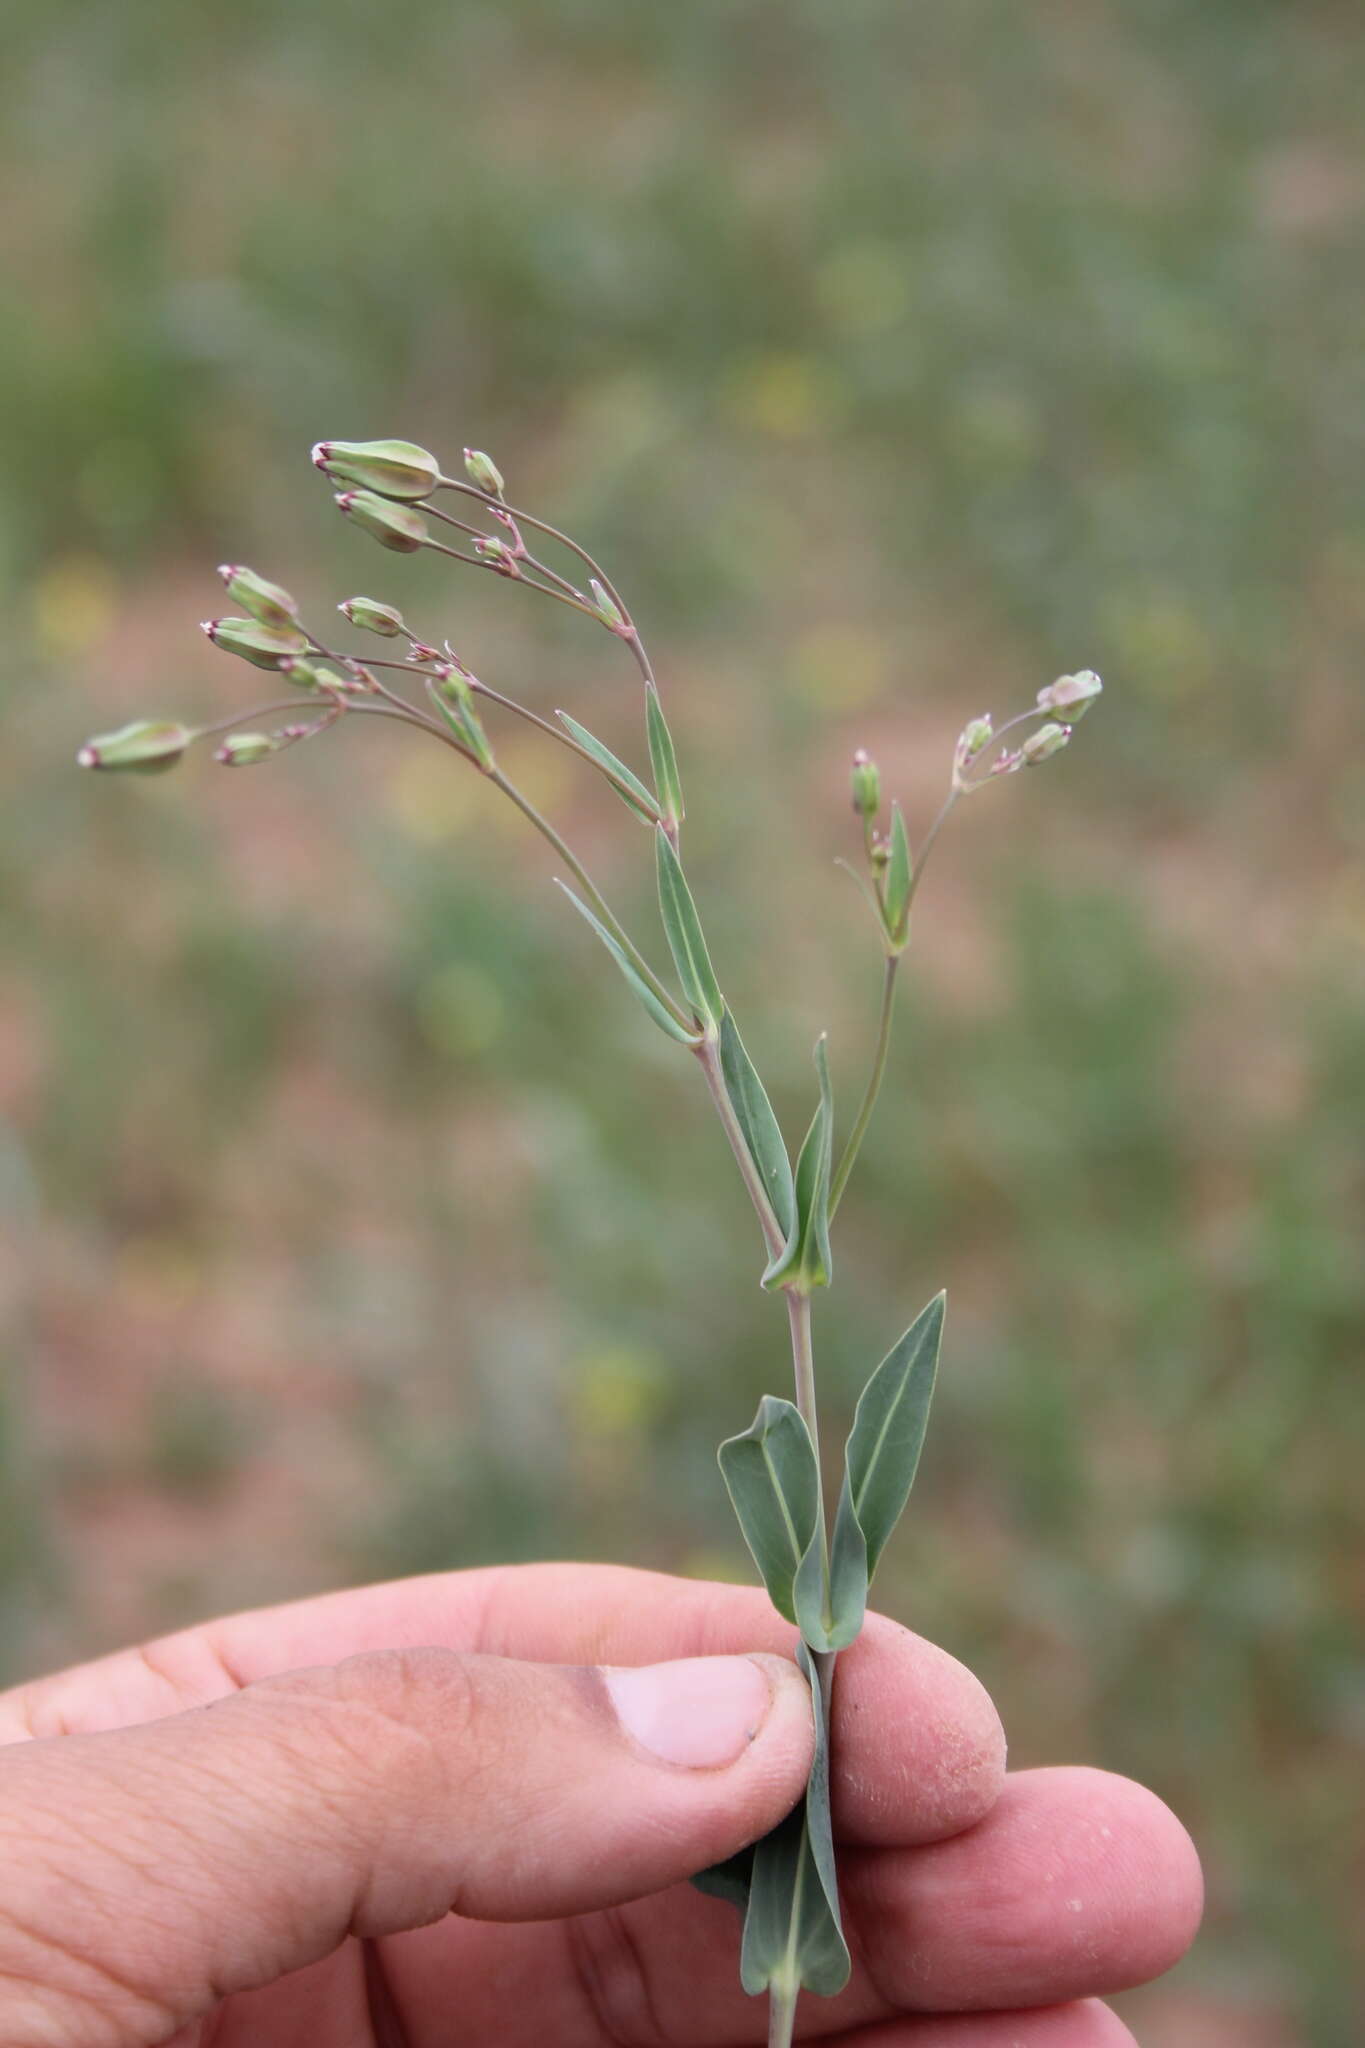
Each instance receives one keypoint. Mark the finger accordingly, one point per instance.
(919, 1751)
(1076, 1884)
(147, 1872)
(1087, 2025)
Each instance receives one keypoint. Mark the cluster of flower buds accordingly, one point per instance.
(496, 554)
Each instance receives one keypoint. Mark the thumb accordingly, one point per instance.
(148, 1872)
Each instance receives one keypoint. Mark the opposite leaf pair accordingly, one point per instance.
(773, 1478)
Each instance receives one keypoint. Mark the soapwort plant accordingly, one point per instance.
(816, 1564)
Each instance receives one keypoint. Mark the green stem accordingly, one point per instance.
(869, 1101)
(708, 1057)
(781, 2017)
(594, 896)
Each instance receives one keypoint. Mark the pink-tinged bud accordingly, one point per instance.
(147, 747)
(245, 749)
(867, 785)
(309, 675)
(1042, 745)
(393, 526)
(483, 472)
(265, 601)
(372, 617)
(392, 469)
(977, 734)
(262, 646)
(496, 554)
(1071, 696)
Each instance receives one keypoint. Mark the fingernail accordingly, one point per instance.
(699, 1711)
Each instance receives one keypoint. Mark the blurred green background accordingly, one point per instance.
(895, 359)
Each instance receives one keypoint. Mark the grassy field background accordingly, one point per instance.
(896, 360)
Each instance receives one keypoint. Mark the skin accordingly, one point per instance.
(409, 1815)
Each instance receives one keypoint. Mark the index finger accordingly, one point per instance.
(919, 1751)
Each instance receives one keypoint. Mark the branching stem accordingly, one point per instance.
(869, 1101)
(708, 1058)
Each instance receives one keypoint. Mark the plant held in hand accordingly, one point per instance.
(816, 1566)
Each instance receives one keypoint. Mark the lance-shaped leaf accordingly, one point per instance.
(682, 928)
(898, 876)
(627, 785)
(774, 1483)
(762, 1134)
(662, 758)
(884, 1444)
(639, 988)
(805, 1261)
(793, 1939)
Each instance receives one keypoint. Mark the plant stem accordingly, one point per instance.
(781, 2017)
(594, 896)
(869, 1101)
(708, 1056)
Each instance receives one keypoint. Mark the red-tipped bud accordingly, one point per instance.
(262, 646)
(867, 785)
(393, 469)
(483, 472)
(245, 749)
(265, 601)
(373, 617)
(393, 526)
(147, 747)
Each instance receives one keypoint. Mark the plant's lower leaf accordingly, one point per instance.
(884, 1443)
(729, 1880)
(762, 1134)
(774, 1483)
(806, 1261)
(793, 1938)
(639, 989)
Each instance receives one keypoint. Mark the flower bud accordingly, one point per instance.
(496, 554)
(147, 747)
(976, 734)
(867, 785)
(1043, 744)
(265, 601)
(394, 469)
(450, 692)
(393, 526)
(372, 617)
(607, 609)
(263, 646)
(307, 675)
(483, 472)
(245, 749)
(1071, 696)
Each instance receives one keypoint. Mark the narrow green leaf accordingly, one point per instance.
(729, 1880)
(898, 874)
(887, 1434)
(662, 758)
(772, 1479)
(639, 799)
(683, 929)
(806, 1261)
(762, 1133)
(640, 989)
(793, 1938)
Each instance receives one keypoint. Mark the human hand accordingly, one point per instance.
(365, 1819)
